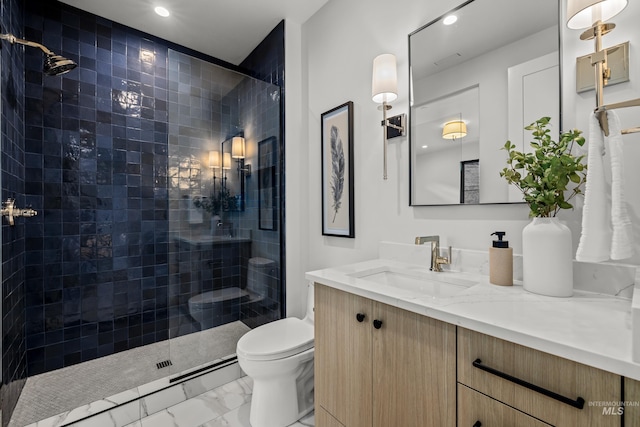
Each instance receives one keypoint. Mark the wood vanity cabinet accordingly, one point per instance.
(380, 366)
(632, 396)
(474, 407)
(484, 361)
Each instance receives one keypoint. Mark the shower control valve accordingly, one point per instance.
(10, 211)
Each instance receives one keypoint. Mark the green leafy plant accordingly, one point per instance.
(549, 176)
(223, 201)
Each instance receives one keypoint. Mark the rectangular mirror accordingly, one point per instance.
(474, 84)
(233, 184)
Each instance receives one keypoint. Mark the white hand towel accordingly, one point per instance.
(621, 242)
(194, 215)
(606, 225)
(595, 240)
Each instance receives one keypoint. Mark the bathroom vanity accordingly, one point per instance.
(370, 354)
(396, 345)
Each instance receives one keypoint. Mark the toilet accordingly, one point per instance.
(278, 356)
(217, 307)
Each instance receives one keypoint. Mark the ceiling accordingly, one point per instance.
(482, 26)
(225, 29)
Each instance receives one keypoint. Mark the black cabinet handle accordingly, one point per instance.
(477, 424)
(377, 324)
(360, 317)
(578, 403)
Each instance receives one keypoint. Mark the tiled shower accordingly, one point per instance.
(112, 155)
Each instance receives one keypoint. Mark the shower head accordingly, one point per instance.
(54, 65)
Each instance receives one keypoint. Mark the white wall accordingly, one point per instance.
(337, 48)
(296, 178)
(577, 107)
(437, 173)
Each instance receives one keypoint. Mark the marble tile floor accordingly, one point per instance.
(225, 406)
(59, 391)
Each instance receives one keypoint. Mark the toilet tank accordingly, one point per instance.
(261, 275)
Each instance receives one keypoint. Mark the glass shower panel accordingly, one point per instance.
(218, 119)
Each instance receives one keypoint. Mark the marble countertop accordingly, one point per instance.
(590, 328)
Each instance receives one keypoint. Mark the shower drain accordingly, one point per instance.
(164, 364)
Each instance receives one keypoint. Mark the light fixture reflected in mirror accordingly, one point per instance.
(226, 161)
(384, 89)
(454, 129)
(214, 163)
(238, 153)
(214, 159)
(450, 19)
(237, 147)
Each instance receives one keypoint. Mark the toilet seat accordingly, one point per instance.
(276, 340)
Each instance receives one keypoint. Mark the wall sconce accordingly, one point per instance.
(238, 153)
(214, 163)
(226, 161)
(591, 14)
(454, 129)
(384, 89)
(214, 159)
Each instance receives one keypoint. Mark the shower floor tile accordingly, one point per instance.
(77, 386)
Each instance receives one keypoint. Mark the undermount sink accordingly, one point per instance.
(438, 285)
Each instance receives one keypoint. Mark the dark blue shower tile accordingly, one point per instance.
(118, 71)
(89, 75)
(121, 122)
(103, 27)
(86, 64)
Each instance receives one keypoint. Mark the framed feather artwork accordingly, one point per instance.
(337, 171)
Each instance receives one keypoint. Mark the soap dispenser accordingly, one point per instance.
(500, 261)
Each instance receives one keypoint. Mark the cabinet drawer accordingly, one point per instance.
(632, 397)
(475, 409)
(536, 380)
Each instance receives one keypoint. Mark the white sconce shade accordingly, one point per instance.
(454, 130)
(237, 147)
(585, 13)
(214, 159)
(226, 161)
(384, 85)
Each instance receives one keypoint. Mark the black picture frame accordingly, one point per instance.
(267, 184)
(337, 171)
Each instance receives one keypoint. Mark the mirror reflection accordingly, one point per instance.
(476, 83)
(232, 185)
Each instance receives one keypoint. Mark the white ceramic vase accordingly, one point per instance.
(547, 258)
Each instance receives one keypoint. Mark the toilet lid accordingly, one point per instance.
(276, 340)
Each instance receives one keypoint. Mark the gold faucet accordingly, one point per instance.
(436, 260)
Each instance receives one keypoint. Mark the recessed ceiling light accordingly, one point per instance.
(425, 146)
(450, 19)
(161, 11)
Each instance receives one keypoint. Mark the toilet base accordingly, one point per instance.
(281, 400)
